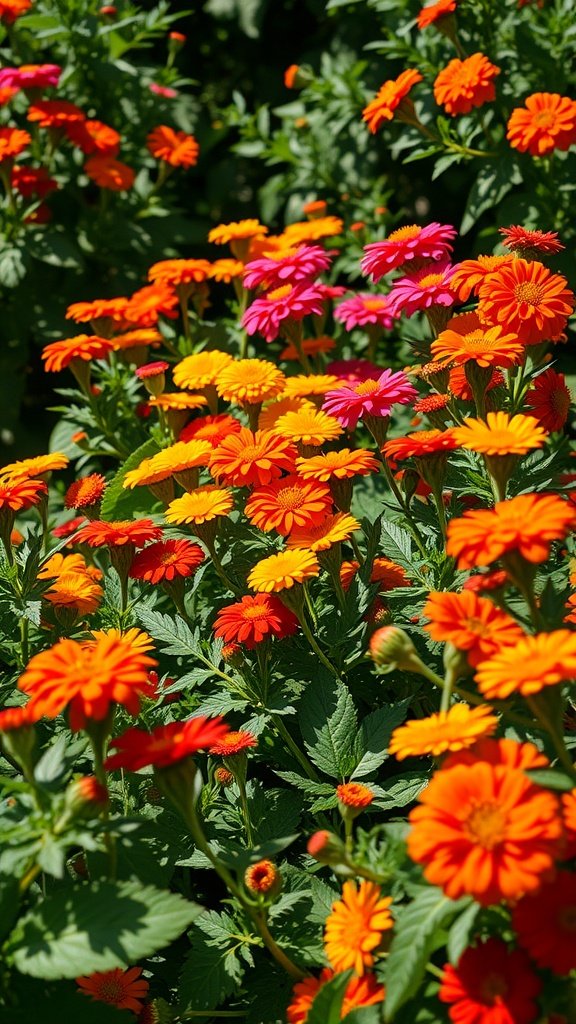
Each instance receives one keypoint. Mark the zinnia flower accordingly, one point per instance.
(166, 561)
(178, 149)
(179, 272)
(123, 989)
(430, 286)
(388, 98)
(75, 585)
(302, 385)
(421, 444)
(233, 743)
(283, 571)
(289, 302)
(226, 270)
(250, 380)
(214, 429)
(544, 924)
(546, 122)
(109, 173)
(147, 304)
(252, 619)
(84, 347)
(533, 663)
(85, 492)
(339, 465)
(54, 113)
(530, 243)
(308, 426)
(94, 137)
(456, 729)
(465, 84)
(99, 309)
(528, 299)
(486, 346)
(360, 992)
(501, 434)
(245, 459)
(302, 265)
(134, 532)
(435, 12)
(467, 278)
(165, 745)
(200, 370)
(171, 461)
(13, 141)
(491, 985)
(549, 400)
(312, 230)
(332, 530)
(484, 830)
(32, 181)
(237, 230)
(10, 10)
(200, 506)
(355, 925)
(351, 402)
(365, 309)
(471, 623)
(410, 244)
(385, 572)
(289, 503)
(20, 493)
(38, 465)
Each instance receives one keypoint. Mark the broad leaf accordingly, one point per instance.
(121, 503)
(212, 970)
(328, 723)
(373, 737)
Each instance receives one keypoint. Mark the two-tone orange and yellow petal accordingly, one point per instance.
(355, 926)
(456, 729)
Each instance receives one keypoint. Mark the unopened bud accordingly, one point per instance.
(391, 648)
(353, 798)
(176, 40)
(223, 776)
(85, 796)
(455, 662)
(157, 1011)
(263, 878)
(326, 848)
(298, 76)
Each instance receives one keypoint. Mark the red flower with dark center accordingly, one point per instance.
(491, 985)
(167, 560)
(549, 399)
(253, 619)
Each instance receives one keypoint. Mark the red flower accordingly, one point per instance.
(491, 985)
(253, 619)
(529, 243)
(234, 743)
(137, 532)
(165, 745)
(167, 560)
(549, 399)
(545, 924)
(176, 148)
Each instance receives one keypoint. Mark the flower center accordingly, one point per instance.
(567, 919)
(367, 387)
(476, 339)
(528, 292)
(372, 305)
(545, 118)
(429, 280)
(251, 452)
(560, 402)
(493, 987)
(111, 991)
(476, 626)
(290, 498)
(279, 293)
(402, 234)
(485, 825)
(169, 557)
(255, 611)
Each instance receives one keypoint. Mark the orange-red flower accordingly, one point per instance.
(421, 444)
(535, 662)
(456, 729)
(384, 571)
(491, 985)
(332, 530)
(54, 113)
(10, 10)
(388, 98)
(527, 524)
(13, 141)
(339, 465)
(545, 924)
(123, 989)
(59, 354)
(288, 503)
(75, 585)
(214, 429)
(354, 794)
(147, 304)
(167, 560)
(252, 619)
(549, 400)
(165, 745)
(530, 243)
(355, 925)
(435, 12)
(109, 173)
(465, 84)
(471, 623)
(135, 532)
(486, 346)
(19, 494)
(261, 877)
(245, 458)
(469, 275)
(98, 309)
(226, 270)
(528, 299)
(94, 137)
(500, 434)
(176, 272)
(233, 743)
(176, 148)
(283, 571)
(524, 756)
(360, 992)
(85, 492)
(546, 122)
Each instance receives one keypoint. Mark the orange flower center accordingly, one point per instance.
(410, 231)
(528, 292)
(279, 293)
(545, 118)
(169, 557)
(493, 988)
(251, 452)
(485, 825)
(372, 305)
(367, 387)
(476, 339)
(476, 626)
(291, 498)
(255, 611)
(430, 279)
(567, 919)
(111, 991)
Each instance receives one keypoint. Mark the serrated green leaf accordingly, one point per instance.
(373, 737)
(328, 723)
(396, 543)
(401, 790)
(460, 933)
(120, 502)
(212, 970)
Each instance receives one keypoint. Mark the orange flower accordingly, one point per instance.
(76, 591)
(360, 992)
(233, 743)
(59, 354)
(10, 10)
(384, 571)
(237, 230)
(88, 678)
(109, 173)
(421, 444)
(38, 465)
(283, 571)
(388, 98)
(245, 459)
(354, 794)
(533, 663)
(546, 122)
(13, 141)
(529, 299)
(435, 12)
(530, 243)
(501, 434)
(85, 492)
(226, 270)
(200, 506)
(167, 560)
(19, 494)
(308, 426)
(465, 84)
(94, 137)
(310, 347)
(200, 370)
(470, 274)
(486, 346)
(523, 756)
(119, 988)
(459, 386)
(544, 924)
(120, 533)
(339, 465)
(138, 338)
(355, 925)
(288, 503)
(272, 411)
(261, 877)
(178, 458)
(456, 729)
(312, 230)
(250, 380)
(99, 309)
(303, 385)
(485, 830)
(214, 429)
(253, 619)
(176, 148)
(332, 530)
(472, 623)
(54, 113)
(177, 401)
(147, 304)
(175, 272)
(527, 524)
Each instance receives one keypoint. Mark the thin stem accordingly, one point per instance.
(437, 495)
(310, 606)
(556, 737)
(100, 773)
(24, 647)
(220, 569)
(294, 748)
(403, 505)
(317, 650)
(245, 811)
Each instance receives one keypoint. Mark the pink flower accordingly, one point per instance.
(365, 309)
(31, 76)
(431, 242)
(163, 90)
(290, 302)
(351, 402)
(354, 370)
(306, 263)
(427, 287)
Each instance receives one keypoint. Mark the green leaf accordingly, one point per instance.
(401, 790)
(374, 736)
(414, 939)
(56, 249)
(211, 971)
(9, 901)
(97, 928)
(396, 543)
(177, 638)
(551, 779)
(327, 1006)
(121, 503)
(460, 932)
(494, 180)
(13, 266)
(328, 723)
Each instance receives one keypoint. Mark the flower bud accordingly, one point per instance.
(326, 848)
(298, 77)
(391, 648)
(223, 777)
(108, 11)
(85, 796)
(353, 798)
(157, 1011)
(263, 879)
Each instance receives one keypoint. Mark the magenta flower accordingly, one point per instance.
(31, 76)
(365, 309)
(163, 90)
(427, 287)
(290, 302)
(354, 370)
(405, 245)
(303, 265)
(352, 402)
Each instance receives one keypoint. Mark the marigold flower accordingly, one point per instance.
(252, 619)
(214, 429)
(147, 304)
(10, 10)
(94, 138)
(176, 272)
(308, 426)
(273, 410)
(311, 230)
(233, 743)
(360, 992)
(544, 924)
(355, 925)
(473, 624)
(179, 457)
(54, 113)
(85, 492)
(283, 571)
(289, 503)
(59, 354)
(200, 370)
(245, 459)
(288, 303)
(535, 662)
(363, 309)
(165, 745)
(38, 465)
(388, 98)
(200, 506)
(20, 493)
(136, 532)
(523, 756)
(546, 122)
(13, 141)
(529, 299)
(456, 729)
(166, 561)
(410, 244)
(435, 12)
(465, 84)
(98, 309)
(351, 402)
(237, 230)
(261, 877)
(123, 989)
(500, 434)
(226, 270)
(490, 985)
(385, 572)
(302, 264)
(332, 530)
(527, 524)
(431, 403)
(77, 591)
(530, 243)
(338, 465)
(250, 380)
(178, 149)
(549, 400)
(354, 794)
(421, 444)
(484, 830)
(32, 181)
(302, 385)
(430, 286)
(486, 346)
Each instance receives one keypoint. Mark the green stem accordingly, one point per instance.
(437, 495)
(245, 811)
(294, 748)
(555, 736)
(100, 773)
(317, 650)
(24, 646)
(403, 505)
(221, 571)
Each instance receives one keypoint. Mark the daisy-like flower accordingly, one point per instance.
(364, 309)
(549, 400)
(283, 571)
(148, 304)
(431, 404)
(421, 444)
(19, 494)
(338, 465)
(546, 122)
(200, 370)
(471, 623)
(237, 230)
(88, 678)
(529, 299)
(374, 398)
(165, 745)
(523, 756)
(99, 309)
(178, 458)
(385, 572)
(167, 560)
(68, 528)
(178, 149)
(501, 434)
(303, 385)
(355, 926)
(465, 84)
(534, 663)
(527, 524)
(332, 530)
(300, 232)
(456, 729)
(484, 830)
(289, 503)
(245, 459)
(408, 245)
(250, 380)
(486, 581)
(179, 272)
(308, 426)
(75, 585)
(272, 411)
(177, 401)
(267, 315)
(214, 429)
(544, 924)
(200, 506)
(530, 243)
(354, 794)
(139, 338)
(32, 181)
(83, 348)
(94, 137)
(435, 12)
(125, 990)
(109, 173)
(459, 385)
(85, 492)
(390, 99)
(54, 113)
(38, 465)
(130, 532)
(360, 992)
(310, 347)
(486, 346)
(491, 985)
(430, 286)
(302, 264)
(13, 141)
(253, 619)
(13, 718)
(226, 270)
(233, 743)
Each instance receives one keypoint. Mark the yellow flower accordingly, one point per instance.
(501, 434)
(313, 384)
(27, 469)
(456, 729)
(282, 571)
(333, 530)
(200, 370)
(175, 459)
(308, 426)
(250, 380)
(200, 506)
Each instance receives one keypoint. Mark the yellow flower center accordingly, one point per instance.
(401, 234)
(279, 293)
(475, 339)
(545, 119)
(493, 987)
(529, 292)
(290, 498)
(430, 279)
(255, 611)
(485, 825)
(372, 305)
(367, 387)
